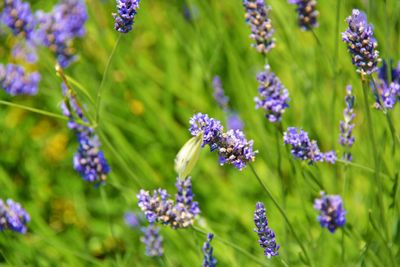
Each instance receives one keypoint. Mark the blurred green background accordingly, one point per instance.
(159, 77)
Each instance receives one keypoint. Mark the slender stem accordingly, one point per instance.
(232, 245)
(378, 181)
(362, 167)
(99, 89)
(283, 215)
(35, 110)
(335, 67)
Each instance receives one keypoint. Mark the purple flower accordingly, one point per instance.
(265, 234)
(153, 241)
(13, 217)
(210, 128)
(346, 138)
(233, 148)
(307, 13)
(18, 17)
(60, 27)
(332, 214)
(159, 208)
(305, 149)
(257, 17)
(388, 93)
(127, 10)
(89, 160)
(219, 94)
(273, 96)
(361, 43)
(208, 259)
(15, 81)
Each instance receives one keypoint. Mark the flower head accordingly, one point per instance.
(209, 127)
(208, 260)
(127, 10)
(332, 214)
(153, 241)
(257, 16)
(232, 146)
(361, 43)
(60, 27)
(305, 149)
(307, 13)
(273, 96)
(17, 15)
(160, 208)
(15, 81)
(346, 138)
(13, 216)
(388, 90)
(89, 160)
(265, 234)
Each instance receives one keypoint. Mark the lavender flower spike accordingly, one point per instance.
(305, 149)
(273, 96)
(307, 13)
(127, 10)
(235, 149)
(159, 208)
(60, 27)
(209, 127)
(17, 15)
(346, 138)
(265, 234)
(13, 217)
(209, 260)
(232, 146)
(15, 81)
(89, 160)
(257, 16)
(361, 43)
(153, 241)
(332, 214)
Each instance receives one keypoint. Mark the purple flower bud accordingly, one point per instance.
(208, 259)
(307, 13)
(13, 217)
(127, 10)
(257, 17)
(361, 43)
(265, 234)
(273, 96)
(15, 81)
(332, 214)
(153, 241)
(305, 149)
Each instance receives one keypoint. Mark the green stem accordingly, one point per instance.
(99, 89)
(291, 228)
(362, 167)
(377, 181)
(232, 245)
